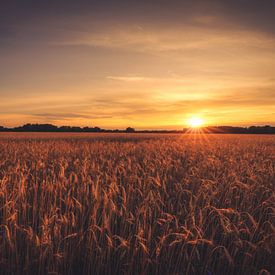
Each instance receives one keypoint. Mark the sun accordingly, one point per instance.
(195, 122)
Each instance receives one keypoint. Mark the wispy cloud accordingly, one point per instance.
(130, 78)
(68, 116)
(152, 39)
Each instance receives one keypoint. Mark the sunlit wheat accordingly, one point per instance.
(136, 204)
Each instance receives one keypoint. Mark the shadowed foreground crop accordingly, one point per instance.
(136, 204)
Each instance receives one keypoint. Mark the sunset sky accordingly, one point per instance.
(146, 64)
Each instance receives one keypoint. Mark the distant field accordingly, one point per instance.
(137, 204)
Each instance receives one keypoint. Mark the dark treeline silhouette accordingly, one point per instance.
(243, 130)
(210, 129)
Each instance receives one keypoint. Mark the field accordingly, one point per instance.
(136, 204)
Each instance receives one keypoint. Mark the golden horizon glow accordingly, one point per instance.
(195, 122)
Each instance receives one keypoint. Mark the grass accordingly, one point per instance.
(136, 204)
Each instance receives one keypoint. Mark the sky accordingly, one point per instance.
(148, 64)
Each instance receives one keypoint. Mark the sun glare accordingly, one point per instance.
(195, 122)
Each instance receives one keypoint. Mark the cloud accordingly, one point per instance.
(250, 14)
(116, 24)
(129, 78)
(243, 106)
(68, 116)
(154, 40)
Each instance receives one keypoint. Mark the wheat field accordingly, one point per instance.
(136, 204)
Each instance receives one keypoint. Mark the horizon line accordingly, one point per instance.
(48, 127)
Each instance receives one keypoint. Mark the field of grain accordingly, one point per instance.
(136, 204)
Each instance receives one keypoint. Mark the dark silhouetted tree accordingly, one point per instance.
(130, 130)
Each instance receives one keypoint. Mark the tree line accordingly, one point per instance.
(210, 129)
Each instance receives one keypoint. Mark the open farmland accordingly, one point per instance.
(136, 204)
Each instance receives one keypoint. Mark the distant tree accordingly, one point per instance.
(76, 129)
(64, 129)
(116, 131)
(267, 129)
(87, 129)
(37, 128)
(97, 129)
(130, 130)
